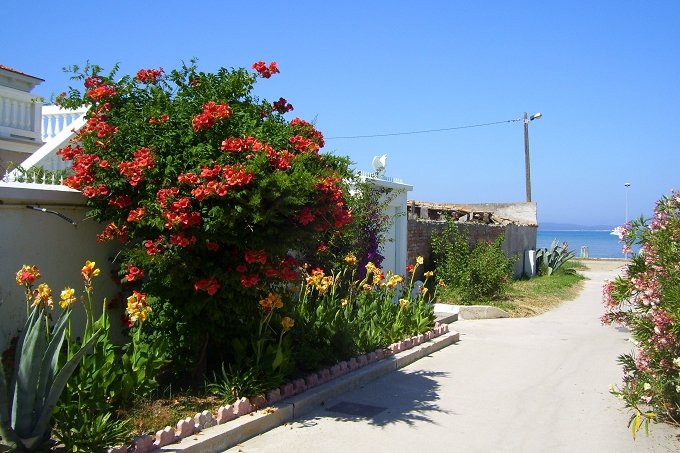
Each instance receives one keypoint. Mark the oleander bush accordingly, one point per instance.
(645, 299)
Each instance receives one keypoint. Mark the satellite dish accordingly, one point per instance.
(379, 164)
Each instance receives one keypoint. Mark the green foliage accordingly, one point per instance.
(548, 260)
(84, 431)
(38, 175)
(26, 406)
(474, 274)
(236, 383)
(107, 380)
(644, 298)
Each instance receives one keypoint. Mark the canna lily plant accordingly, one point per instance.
(27, 402)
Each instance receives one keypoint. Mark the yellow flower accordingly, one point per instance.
(422, 290)
(271, 302)
(370, 267)
(43, 296)
(377, 276)
(394, 281)
(403, 303)
(287, 323)
(88, 271)
(137, 307)
(441, 283)
(351, 260)
(419, 260)
(428, 274)
(367, 287)
(68, 298)
(344, 302)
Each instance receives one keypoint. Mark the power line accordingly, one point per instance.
(424, 131)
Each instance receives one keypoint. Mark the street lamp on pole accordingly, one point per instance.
(527, 165)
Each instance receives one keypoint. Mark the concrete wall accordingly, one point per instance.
(518, 239)
(58, 249)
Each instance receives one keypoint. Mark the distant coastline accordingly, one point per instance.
(553, 226)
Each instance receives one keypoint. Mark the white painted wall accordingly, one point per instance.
(58, 249)
(394, 249)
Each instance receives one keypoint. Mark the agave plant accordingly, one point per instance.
(552, 258)
(37, 382)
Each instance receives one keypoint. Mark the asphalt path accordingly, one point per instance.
(510, 385)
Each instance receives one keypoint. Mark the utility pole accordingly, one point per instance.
(527, 165)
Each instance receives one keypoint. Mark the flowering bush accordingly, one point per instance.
(208, 189)
(645, 299)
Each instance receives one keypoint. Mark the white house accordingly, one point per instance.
(20, 116)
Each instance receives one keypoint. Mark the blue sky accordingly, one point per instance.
(605, 75)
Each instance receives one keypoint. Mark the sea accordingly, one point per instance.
(591, 243)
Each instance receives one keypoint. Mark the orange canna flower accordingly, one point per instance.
(287, 323)
(137, 307)
(89, 270)
(27, 275)
(67, 298)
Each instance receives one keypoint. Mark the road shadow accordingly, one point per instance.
(399, 397)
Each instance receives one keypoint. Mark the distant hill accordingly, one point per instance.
(572, 226)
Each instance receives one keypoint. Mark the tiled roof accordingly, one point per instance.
(7, 68)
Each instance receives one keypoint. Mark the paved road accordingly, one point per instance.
(511, 385)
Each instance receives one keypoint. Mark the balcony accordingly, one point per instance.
(20, 120)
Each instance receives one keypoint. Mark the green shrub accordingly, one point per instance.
(471, 274)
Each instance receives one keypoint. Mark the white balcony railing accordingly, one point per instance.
(19, 115)
(55, 119)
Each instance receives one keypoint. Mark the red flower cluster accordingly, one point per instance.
(133, 170)
(155, 247)
(209, 285)
(101, 92)
(281, 160)
(98, 126)
(179, 214)
(211, 112)
(307, 130)
(160, 120)
(303, 145)
(182, 240)
(133, 273)
(282, 106)
(332, 198)
(216, 180)
(264, 70)
(70, 152)
(306, 216)
(149, 75)
(256, 256)
(93, 82)
(120, 201)
(112, 231)
(100, 191)
(83, 174)
(136, 215)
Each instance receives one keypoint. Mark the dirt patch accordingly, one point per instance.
(604, 265)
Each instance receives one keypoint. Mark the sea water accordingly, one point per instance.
(600, 243)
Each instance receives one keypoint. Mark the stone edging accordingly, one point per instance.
(208, 431)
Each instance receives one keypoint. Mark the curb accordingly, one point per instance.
(219, 438)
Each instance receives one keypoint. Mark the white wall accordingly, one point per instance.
(58, 249)
(394, 250)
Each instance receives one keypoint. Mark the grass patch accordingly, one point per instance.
(530, 297)
(148, 416)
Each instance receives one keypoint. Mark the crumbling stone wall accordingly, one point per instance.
(518, 239)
